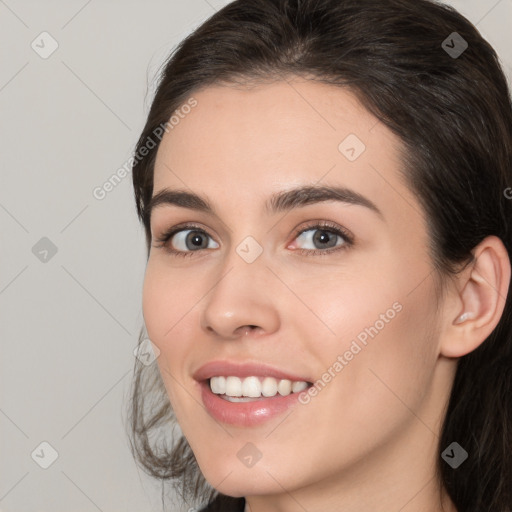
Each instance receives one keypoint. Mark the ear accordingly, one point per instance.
(476, 302)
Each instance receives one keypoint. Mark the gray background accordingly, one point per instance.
(69, 323)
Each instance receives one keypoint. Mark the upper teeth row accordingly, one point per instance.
(254, 386)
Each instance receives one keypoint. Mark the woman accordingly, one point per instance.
(323, 187)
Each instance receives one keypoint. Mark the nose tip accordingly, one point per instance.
(239, 305)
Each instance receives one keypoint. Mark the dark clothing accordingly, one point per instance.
(225, 504)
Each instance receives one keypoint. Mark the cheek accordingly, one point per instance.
(384, 332)
(381, 383)
(154, 303)
(166, 301)
(165, 304)
(344, 307)
(392, 373)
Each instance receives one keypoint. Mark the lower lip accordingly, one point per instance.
(245, 414)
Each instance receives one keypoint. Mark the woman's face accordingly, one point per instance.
(353, 313)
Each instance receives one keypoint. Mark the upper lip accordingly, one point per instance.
(229, 368)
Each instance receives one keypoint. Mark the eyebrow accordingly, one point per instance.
(279, 202)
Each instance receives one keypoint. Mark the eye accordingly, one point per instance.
(183, 241)
(190, 240)
(321, 238)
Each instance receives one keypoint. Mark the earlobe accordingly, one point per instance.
(482, 291)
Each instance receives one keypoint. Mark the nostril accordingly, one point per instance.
(249, 328)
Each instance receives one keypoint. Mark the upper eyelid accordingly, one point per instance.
(314, 224)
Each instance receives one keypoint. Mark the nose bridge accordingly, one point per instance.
(240, 297)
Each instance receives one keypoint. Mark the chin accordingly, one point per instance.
(238, 481)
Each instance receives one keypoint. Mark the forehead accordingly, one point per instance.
(241, 142)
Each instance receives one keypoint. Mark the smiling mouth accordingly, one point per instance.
(253, 388)
(228, 398)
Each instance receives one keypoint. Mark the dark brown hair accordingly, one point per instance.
(453, 115)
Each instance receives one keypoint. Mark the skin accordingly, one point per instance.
(368, 440)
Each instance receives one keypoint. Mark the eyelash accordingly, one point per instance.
(332, 228)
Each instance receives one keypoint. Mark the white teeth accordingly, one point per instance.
(251, 387)
(218, 385)
(254, 387)
(233, 386)
(269, 387)
(297, 387)
(285, 387)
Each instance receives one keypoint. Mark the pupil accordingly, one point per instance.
(323, 237)
(195, 239)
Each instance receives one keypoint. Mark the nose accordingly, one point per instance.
(242, 301)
